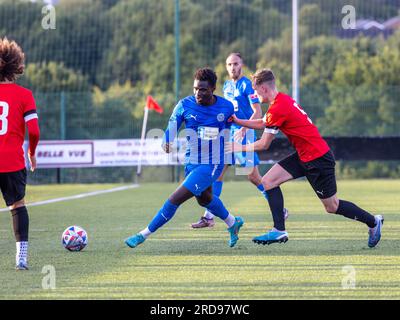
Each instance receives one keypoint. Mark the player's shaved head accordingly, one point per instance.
(235, 54)
(234, 64)
(263, 76)
(12, 60)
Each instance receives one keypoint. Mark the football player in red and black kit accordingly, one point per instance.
(17, 109)
(313, 159)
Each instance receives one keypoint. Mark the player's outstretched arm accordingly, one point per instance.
(257, 114)
(262, 144)
(257, 124)
(257, 111)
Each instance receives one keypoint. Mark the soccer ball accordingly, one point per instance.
(74, 238)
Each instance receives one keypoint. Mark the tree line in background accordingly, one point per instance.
(106, 56)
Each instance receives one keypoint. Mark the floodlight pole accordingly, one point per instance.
(295, 52)
(177, 51)
(177, 66)
(63, 134)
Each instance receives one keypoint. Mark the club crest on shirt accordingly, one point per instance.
(267, 118)
(220, 117)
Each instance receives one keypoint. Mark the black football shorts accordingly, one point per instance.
(13, 185)
(320, 172)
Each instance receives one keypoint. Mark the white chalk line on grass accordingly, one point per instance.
(78, 196)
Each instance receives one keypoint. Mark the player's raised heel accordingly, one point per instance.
(375, 233)
(234, 231)
(135, 240)
(272, 237)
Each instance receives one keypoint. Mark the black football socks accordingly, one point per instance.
(351, 211)
(21, 229)
(275, 201)
(20, 223)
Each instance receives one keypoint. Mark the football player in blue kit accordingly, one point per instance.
(247, 106)
(207, 128)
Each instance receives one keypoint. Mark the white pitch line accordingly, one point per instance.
(78, 196)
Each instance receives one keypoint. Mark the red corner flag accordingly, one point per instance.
(152, 104)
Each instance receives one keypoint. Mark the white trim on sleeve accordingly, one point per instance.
(31, 117)
(271, 130)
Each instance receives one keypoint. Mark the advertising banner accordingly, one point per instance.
(103, 153)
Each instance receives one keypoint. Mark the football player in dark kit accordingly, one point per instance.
(313, 159)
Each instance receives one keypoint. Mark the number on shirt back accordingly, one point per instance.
(3, 117)
(303, 112)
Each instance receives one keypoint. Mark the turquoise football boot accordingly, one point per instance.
(272, 236)
(234, 231)
(135, 240)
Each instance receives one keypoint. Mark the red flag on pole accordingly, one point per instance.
(152, 104)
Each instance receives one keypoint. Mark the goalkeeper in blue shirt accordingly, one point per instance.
(207, 128)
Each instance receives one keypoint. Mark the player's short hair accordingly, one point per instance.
(206, 74)
(12, 60)
(236, 54)
(263, 76)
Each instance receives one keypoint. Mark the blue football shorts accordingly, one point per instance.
(198, 177)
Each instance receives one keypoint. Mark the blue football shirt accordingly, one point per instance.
(242, 95)
(207, 128)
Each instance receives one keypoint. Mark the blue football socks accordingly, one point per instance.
(163, 216)
(217, 208)
(217, 188)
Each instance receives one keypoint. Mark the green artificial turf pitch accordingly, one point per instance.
(178, 262)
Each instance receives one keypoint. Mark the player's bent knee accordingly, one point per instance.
(269, 183)
(253, 177)
(18, 204)
(205, 198)
(331, 208)
(203, 201)
(331, 205)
